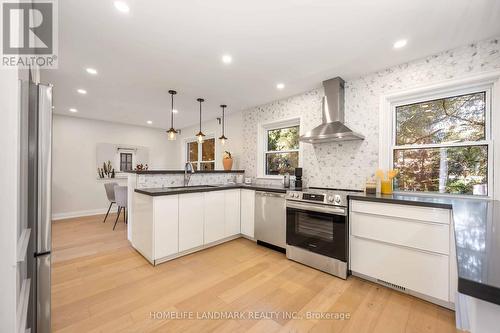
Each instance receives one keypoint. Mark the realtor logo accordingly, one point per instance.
(29, 34)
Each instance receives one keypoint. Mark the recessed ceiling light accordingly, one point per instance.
(91, 71)
(149, 122)
(82, 91)
(175, 111)
(122, 6)
(280, 86)
(400, 43)
(227, 59)
(73, 110)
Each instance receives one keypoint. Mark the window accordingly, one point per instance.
(442, 145)
(281, 153)
(202, 156)
(125, 161)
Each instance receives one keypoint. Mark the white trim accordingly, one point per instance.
(262, 128)
(80, 213)
(485, 80)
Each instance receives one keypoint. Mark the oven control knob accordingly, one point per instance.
(330, 198)
(296, 195)
(337, 199)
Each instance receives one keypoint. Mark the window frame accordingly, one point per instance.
(199, 161)
(262, 150)
(131, 154)
(488, 82)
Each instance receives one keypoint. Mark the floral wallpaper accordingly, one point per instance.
(348, 164)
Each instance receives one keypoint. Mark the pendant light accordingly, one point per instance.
(172, 132)
(200, 134)
(223, 138)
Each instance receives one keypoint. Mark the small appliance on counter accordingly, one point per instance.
(298, 178)
(286, 180)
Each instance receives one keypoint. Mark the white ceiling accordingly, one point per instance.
(162, 45)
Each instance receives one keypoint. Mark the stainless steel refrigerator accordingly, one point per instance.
(36, 172)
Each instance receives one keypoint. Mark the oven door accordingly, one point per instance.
(317, 228)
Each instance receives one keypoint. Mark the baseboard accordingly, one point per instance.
(69, 215)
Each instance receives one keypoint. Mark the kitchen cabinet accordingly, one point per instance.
(166, 225)
(191, 220)
(247, 212)
(214, 216)
(404, 247)
(232, 212)
(170, 226)
(156, 232)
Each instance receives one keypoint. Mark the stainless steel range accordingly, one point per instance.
(317, 229)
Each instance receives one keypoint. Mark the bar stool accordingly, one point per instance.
(110, 193)
(121, 194)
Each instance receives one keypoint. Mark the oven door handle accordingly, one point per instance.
(316, 208)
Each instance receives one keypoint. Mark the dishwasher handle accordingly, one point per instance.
(270, 194)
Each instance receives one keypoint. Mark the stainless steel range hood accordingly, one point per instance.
(332, 128)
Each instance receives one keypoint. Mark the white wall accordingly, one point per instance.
(234, 144)
(76, 189)
(9, 191)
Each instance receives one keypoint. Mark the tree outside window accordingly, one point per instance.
(282, 150)
(441, 145)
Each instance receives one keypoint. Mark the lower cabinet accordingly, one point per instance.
(166, 225)
(247, 212)
(232, 212)
(191, 220)
(411, 248)
(423, 272)
(214, 216)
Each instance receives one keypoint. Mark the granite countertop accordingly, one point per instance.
(155, 172)
(477, 239)
(208, 188)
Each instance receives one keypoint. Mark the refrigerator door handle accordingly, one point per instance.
(43, 298)
(44, 168)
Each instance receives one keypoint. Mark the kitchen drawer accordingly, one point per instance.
(434, 237)
(422, 272)
(429, 214)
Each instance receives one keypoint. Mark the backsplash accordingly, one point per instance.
(348, 164)
(172, 180)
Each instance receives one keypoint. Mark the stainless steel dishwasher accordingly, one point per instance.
(270, 218)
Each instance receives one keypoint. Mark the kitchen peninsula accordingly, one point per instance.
(168, 219)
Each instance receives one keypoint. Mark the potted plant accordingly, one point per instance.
(227, 161)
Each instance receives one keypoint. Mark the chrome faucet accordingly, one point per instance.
(188, 168)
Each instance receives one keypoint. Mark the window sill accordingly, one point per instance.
(444, 195)
(270, 177)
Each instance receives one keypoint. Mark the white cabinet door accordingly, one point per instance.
(423, 272)
(433, 237)
(248, 212)
(232, 212)
(214, 216)
(142, 228)
(191, 211)
(166, 225)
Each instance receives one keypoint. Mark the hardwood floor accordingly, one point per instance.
(100, 284)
